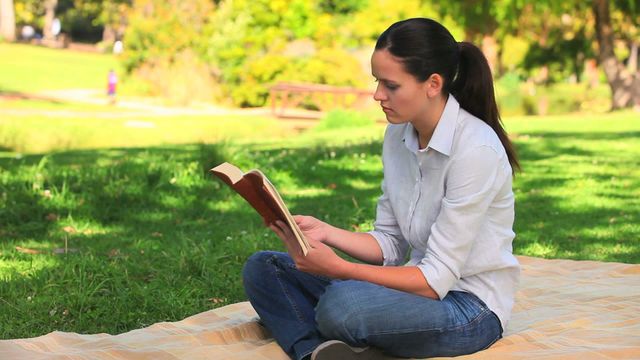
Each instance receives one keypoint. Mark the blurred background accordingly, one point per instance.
(548, 57)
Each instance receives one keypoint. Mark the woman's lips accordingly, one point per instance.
(386, 109)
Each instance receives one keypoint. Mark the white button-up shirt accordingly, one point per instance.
(452, 205)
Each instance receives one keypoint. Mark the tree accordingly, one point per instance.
(609, 30)
(486, 21)
(50, 13)
(624, 83)
(107, 18)
(7, 20)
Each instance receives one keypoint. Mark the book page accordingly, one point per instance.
(233, 173)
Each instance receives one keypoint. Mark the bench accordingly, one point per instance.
(284, 97)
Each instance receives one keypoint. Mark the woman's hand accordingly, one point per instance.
(321, 259)
(312, 228)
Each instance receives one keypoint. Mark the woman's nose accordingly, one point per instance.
(379, 95)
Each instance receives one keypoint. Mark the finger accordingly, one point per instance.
(276, 230)
(280, 229)
(285, 229)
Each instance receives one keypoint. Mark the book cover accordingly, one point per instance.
(260, 193)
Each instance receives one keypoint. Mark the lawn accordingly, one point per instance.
(30, 69)
(64, 130)
(110, 222)
(115, 238)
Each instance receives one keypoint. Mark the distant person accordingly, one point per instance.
(27, 32)
(447, 206)
(112, 82)
(56, 27)
(118, 47)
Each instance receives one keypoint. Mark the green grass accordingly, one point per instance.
(151, 237)
(579, 194)
(30, 69)
(97, 130)
(52, 106)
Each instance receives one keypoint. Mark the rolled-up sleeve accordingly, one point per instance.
(472, 182)
(387, 232)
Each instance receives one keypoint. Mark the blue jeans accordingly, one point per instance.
(303, 310)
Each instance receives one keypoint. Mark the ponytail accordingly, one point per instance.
(473, 88)
(426, 47)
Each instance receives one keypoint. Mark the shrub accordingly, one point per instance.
(516, 97)
(183, 81)
(327, 66)
(509, 94)
(343, 119)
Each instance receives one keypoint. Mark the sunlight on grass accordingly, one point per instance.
(58, 108)
(306, 192)
(228, 206)
(52, 69)
(362, 185)
(157, 236)
(25, 267)
(540, 249)
(37, 133)
(604, 250)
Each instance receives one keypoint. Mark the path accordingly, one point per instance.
(136, 106)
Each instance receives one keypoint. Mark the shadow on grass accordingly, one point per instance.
(553, 144)
(578, 203)
(159, 239)
(16, 95)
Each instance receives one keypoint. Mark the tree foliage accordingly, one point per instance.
(241, 47)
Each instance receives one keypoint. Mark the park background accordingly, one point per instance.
(110, 222)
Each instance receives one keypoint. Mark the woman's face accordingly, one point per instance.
(402, 97)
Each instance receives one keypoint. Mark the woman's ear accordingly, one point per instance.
(434, 85)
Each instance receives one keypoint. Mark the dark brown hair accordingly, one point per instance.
(425, 47)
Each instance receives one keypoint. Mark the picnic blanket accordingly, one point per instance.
(564, 310)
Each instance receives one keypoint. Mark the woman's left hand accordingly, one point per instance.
(320, 260)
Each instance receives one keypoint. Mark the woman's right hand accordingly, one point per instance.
(361, 246)
(313, 228)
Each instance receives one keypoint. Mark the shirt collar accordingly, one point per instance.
(442, 138)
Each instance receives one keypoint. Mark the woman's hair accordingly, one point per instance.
(425, 47)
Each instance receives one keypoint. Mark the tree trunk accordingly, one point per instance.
(625, 85)
(7, 20)
(108, 34)
(49, 15)
(632, 64)
(490, 50)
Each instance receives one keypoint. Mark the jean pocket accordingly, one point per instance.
(469, 307)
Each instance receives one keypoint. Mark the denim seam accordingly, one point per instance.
(296, 311)
(306, 354)
(493, 342)
(319, 277)
(476, 319)
(499, 333)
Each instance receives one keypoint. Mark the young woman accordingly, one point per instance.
(447, 207)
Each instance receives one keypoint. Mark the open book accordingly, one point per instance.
(262, 195)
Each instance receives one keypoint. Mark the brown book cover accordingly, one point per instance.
(260, 193)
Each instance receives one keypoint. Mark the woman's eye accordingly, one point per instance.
(389, 86)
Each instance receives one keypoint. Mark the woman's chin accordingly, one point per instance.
(391, 119)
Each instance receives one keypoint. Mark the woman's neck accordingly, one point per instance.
(426, 124)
